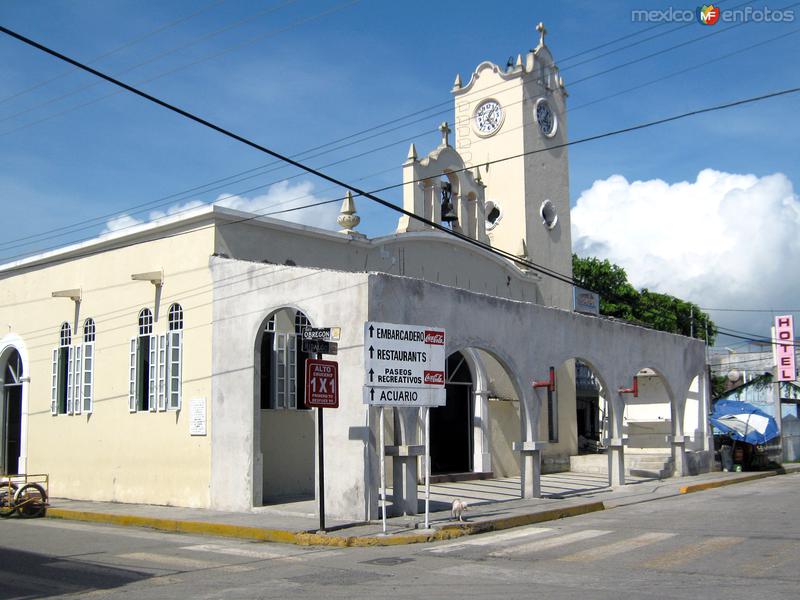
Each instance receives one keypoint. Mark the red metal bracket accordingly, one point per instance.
(631, 390)
(550, 384)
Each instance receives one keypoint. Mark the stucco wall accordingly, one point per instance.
(112, 454)
(504, 429)
(288, 449)
(246, 294)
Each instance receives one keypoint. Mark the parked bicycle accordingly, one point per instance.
(23, 494)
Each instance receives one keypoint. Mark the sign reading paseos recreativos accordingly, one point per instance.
(404, 365)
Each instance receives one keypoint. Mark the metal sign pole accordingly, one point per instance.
(383, 473)
(321, 470)
(427, 466)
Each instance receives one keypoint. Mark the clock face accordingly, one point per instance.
(488, 117)
(545, 118)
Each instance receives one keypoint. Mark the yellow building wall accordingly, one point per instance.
(113, 454)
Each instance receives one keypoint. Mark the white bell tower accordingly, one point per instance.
(511, 124)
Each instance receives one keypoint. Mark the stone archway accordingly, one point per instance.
(11, 412)
(284, 426)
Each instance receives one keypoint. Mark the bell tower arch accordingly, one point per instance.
(511, 125)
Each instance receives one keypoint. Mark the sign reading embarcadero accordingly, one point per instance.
(403, 364)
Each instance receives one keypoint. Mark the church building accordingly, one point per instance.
(164, 365)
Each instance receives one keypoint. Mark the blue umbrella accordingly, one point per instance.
(744, 422)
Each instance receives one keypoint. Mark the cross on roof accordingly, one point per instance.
(542, 32)
(445, 129)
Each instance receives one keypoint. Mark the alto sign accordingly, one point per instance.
(404, 365)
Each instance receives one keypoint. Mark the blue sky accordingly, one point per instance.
(296, 74)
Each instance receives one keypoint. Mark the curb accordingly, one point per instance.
(708, 485)
(304, 538)
(301, 538)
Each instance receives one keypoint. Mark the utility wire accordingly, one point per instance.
(74, 227)
(128, 44)
(559, 276)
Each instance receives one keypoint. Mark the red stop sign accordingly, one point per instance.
(322, 383)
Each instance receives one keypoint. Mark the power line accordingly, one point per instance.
(755, 310)
(128, 44)
(67, 229)
(552, 273)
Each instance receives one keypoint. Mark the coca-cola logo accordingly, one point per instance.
(434, 377)
(434, 337)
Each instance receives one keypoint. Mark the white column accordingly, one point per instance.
(616, 448)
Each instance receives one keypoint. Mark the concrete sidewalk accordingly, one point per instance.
(574, 495)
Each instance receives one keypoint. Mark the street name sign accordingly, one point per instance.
(322, 383)
(319, 347)
(327, 334)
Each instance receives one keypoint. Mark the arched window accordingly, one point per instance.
(283, 361)
(145, 322)
(88, 331)
(65, 335)
(175, 317)
(62, 373)
(142, 366)
(174, 358)
(85, 381)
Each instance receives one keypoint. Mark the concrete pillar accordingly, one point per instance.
(529, 448)
(404, 464)
(678, 439)
(482, 457)
(616, 448)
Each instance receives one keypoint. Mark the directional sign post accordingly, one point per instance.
(322, 391)
(404, 365)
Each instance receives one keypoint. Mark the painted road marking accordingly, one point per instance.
(693, 552)
(253, 551)
(552, 542)
(488, 539)
(176, 562)
(620, 547)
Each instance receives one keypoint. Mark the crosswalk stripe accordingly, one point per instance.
(689, 553)
(618, 547)
(488, 539)
(552, 542)
(178, 562)
(242, 551)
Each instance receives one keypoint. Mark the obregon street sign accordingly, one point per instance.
(322, 383)
(403, 363)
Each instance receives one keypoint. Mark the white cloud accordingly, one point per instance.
(723, 240)
(279, 197)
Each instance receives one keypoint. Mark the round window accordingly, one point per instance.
(493, 214)
(548, 213)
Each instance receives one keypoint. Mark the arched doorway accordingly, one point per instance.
(452, 424)
(11, 412)
(286, 426)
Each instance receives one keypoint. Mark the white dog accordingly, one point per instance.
(457, 511)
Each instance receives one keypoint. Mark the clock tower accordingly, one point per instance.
(511, 124)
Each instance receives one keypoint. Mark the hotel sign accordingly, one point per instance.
(784, 348)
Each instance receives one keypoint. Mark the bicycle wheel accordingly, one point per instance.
(30, 500)
(7, 506)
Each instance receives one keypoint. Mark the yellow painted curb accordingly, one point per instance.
(322, 539)
(708, 485)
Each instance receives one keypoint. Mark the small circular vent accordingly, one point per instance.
(493, 215)
(548, 213)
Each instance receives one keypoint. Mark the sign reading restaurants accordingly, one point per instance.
(403, 364)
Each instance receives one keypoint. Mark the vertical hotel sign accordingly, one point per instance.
(784, 348)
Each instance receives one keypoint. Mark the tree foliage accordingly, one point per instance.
(618, 298)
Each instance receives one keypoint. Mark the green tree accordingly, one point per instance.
(618, 298)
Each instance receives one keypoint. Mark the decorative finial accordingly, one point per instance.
(542, 32)
(518, 65)
(445, 129)
(457, 82)
(522, 249)
(412, 152)
(348, 218)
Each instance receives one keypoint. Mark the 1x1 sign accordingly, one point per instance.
(322, 383)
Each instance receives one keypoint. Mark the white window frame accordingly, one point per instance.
(87, 383)
(175, 369)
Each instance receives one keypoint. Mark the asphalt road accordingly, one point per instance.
(742, 541)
